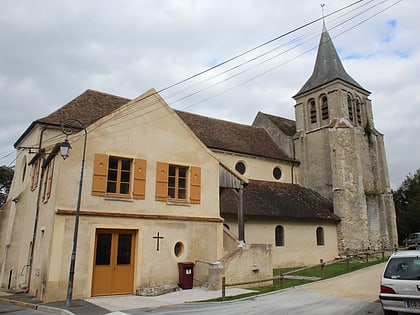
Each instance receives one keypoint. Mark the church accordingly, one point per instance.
(147, 189)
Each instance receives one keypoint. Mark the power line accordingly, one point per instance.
(136, 113)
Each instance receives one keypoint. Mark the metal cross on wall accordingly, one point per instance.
(158, 238)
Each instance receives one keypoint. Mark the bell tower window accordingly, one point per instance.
(324, 108)
(312, 111)
(350, 107)
(358, 112)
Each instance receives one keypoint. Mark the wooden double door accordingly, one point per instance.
(113, 265)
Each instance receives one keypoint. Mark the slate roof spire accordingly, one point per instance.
(328, 66)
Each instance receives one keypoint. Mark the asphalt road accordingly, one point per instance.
(354, 293)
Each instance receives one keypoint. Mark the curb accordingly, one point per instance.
(38, 307)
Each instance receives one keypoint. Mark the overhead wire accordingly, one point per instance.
(248, 80)
(140, 112)
(223, 63)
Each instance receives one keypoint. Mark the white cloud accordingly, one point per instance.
(53, 51)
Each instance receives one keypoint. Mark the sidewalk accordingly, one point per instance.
(359, 285)
(110, 304)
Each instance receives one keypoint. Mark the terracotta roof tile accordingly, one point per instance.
(87, 107)
(288, 126)
(233, 137)
(279, 200)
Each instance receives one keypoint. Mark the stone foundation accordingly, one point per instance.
(157, 290)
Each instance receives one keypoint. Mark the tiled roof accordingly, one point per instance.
(87, 107)
(279, 200)
(287, 126)
(233, 137)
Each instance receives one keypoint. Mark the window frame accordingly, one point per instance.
(279, 236)
(137, 177)
(320, 236)
(193, 183)
(324, 108)
(176, 186)
(313, 113)
(119, 174)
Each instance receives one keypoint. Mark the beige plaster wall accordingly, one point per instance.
(145, 129)
(258, 168)
(152, 267)
(300, 247)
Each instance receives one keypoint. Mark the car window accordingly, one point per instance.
(403, 268)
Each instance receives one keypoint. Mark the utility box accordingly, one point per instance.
(186, 275)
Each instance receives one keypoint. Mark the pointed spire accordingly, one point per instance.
(328, 66)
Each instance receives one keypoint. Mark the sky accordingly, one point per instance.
(219, 58)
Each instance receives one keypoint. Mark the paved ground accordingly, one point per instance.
(362, 285)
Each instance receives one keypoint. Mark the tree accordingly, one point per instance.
(6, 176)
(407, 206)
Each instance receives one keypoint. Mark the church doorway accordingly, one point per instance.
(113, 262)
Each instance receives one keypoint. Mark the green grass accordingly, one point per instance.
(329, 271)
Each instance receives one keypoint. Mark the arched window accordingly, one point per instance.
(320, 236)
(359, 111)
(324, 108)
(350, 107)
(312, 111)
(279, 235)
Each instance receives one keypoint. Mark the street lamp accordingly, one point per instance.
(65, 147)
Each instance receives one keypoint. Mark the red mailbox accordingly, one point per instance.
(186, 275)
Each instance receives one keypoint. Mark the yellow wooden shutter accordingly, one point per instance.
(100, 171)
(195, 184)
(50, 178)
(162, 170)
(139, 186)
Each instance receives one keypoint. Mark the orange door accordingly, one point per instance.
(113, 265)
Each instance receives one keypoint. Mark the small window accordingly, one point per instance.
(178, 249)
(240, 167)
(119, 175)
(320, 236)
(277, 173)
(279, 235)
(324, 108)
(312, 111)
(177, 182)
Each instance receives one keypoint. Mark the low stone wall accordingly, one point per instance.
(248, 262)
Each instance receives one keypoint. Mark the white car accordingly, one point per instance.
(400, 283)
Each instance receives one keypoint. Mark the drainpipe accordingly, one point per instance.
(241, 223)
(31, 255)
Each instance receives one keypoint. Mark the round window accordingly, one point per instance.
(277, 173)
(240, 167)
(178, 249)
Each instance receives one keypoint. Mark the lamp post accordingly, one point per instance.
(65, 147)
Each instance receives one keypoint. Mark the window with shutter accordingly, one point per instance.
(119, 177)
(178, 183)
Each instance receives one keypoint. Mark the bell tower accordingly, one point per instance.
(342, 155)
